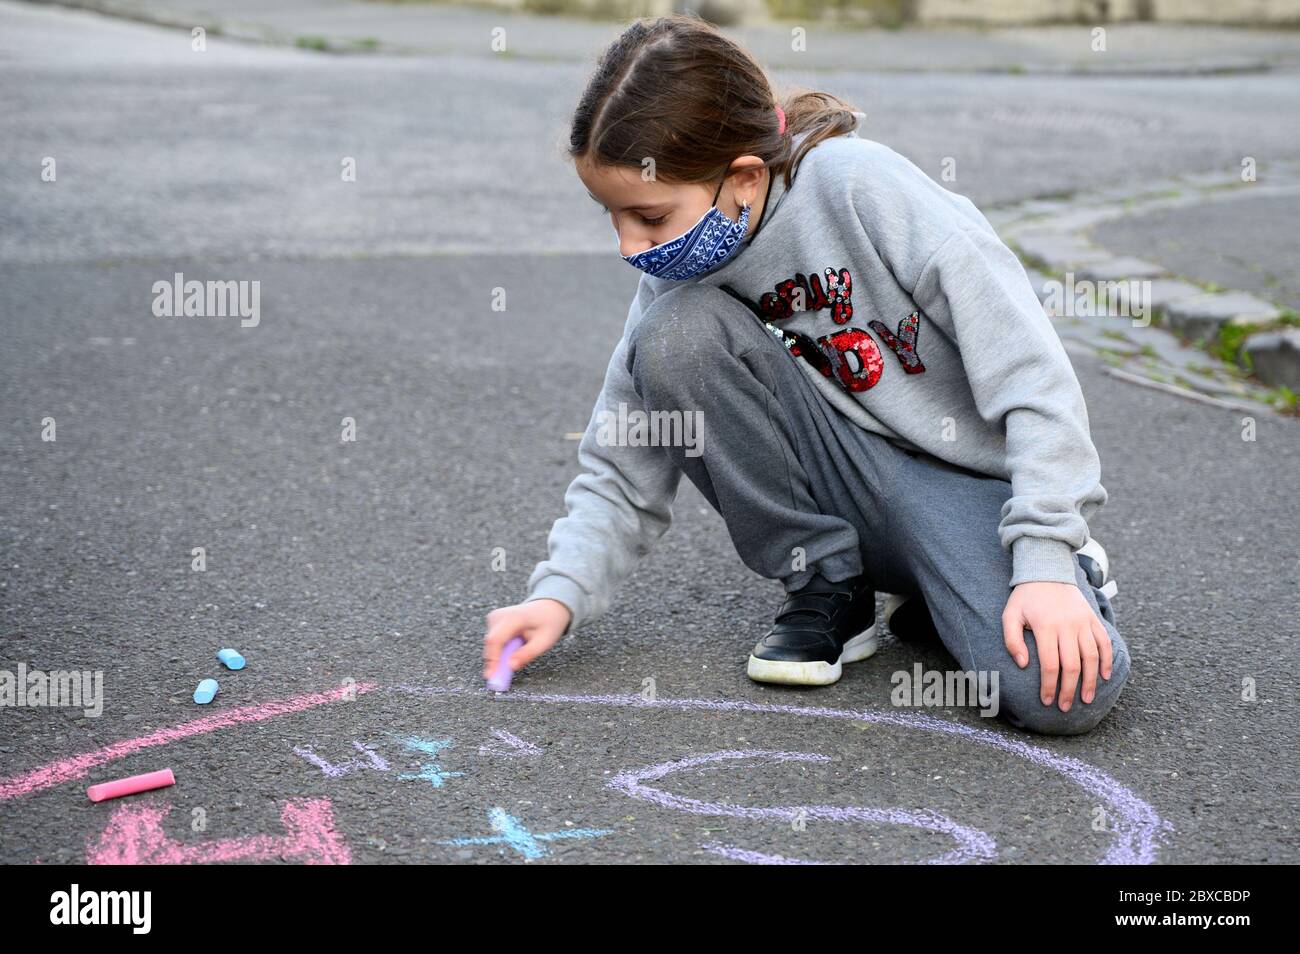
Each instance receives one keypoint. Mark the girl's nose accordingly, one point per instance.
(632, 240)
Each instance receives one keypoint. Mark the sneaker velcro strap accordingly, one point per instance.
(823, 604)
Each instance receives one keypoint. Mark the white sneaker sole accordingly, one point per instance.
(814, 673)
(1097, 552)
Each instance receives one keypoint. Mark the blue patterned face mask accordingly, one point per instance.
(701, 248)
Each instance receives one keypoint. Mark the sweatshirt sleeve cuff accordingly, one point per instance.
(1039, 559)
(563, 590)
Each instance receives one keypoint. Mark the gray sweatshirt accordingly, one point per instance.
(913, 319)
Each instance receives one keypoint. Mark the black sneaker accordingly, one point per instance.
(816, 631)
(909, 619)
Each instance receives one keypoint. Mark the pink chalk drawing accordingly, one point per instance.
(78, 766)
(1137, 828)
(373, 760)
(508, 745)
(134, 836)
(972, 844)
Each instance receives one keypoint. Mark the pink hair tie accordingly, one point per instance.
(781, 113)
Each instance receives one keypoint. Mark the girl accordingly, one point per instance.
(887, 406)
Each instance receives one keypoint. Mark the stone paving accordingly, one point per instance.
(1154, 326)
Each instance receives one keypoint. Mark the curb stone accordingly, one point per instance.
(1161, 292)
(1052, 236)
(1275, 356)
(1116, 269)
(1204, 315)
(1060, 250)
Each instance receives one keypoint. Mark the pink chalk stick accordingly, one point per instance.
(129, 786)
(499, 681)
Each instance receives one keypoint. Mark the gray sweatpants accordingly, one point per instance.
(786, 470)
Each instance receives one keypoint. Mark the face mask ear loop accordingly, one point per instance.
(743, 205)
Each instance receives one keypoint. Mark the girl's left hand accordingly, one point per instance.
(1071, 638)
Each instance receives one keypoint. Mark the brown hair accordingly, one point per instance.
(674, 88)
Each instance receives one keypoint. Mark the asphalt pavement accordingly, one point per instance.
(354, 575)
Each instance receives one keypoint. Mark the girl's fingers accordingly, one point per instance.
(1071, 666)
(530, 650)
(1013, 637)
(498, 635)
(1106, 652)
(1088, 656)
(1049, 661)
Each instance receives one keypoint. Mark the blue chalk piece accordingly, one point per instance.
(206, 690)
(231, 659)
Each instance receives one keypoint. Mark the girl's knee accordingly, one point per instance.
(1020, 690)
(1023, 706)
(686, 328)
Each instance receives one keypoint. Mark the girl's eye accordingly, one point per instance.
(659, 221)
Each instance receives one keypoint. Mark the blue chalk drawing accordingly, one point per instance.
(429, 771)
(514, 835)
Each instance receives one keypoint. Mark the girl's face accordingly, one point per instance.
(646, 213)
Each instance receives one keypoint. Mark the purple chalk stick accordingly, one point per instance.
(499, 681)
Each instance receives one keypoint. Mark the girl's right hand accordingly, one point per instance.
(540, 622)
